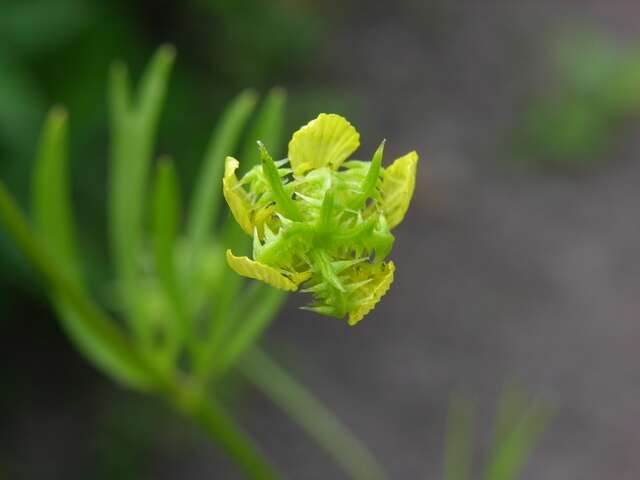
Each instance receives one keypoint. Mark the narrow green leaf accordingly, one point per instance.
(134, 125)
(119, 95)
(225, 296)
(206, 200)
(225, 291)
(112, 356)
(51, 194)
(459, 441)
(267, 128)
(153, 89)
(326, 210)
(510, 408)
(284, 201)
(166, 222)
(249, 326)
(371, 180)
(311, 415)
(89, 321)
(53, 215)
(516, 441)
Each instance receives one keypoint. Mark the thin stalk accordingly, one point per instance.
(311, 415)
(222, 429)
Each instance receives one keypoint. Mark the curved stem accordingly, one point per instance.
(311, 415)
(223, 430)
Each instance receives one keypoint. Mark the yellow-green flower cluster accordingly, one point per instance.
(320, 220)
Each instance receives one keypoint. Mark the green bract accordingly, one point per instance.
(321, 220)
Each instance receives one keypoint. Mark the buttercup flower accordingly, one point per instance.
(321, 221)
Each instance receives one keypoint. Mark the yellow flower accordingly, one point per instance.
(322, 220)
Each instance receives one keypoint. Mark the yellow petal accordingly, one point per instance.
(235, 195)
(374, 291)
(399, 181)
(326, 141)
(258, 271)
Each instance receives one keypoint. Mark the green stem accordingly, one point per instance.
(222, 429)
(209, 415)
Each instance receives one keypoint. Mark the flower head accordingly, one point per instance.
(320, 220)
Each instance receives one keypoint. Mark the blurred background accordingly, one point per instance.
(518, 260)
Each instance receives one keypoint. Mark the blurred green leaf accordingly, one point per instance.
(508, 414)
(166, 222)
(248, 324)
(51, 204)
(458, 453)
(594, 89)
(518, 428)
(91, 323)
(207, 196)
(310, 414)
(51, 194)
(134, 125)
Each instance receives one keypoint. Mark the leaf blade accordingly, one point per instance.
(206, 200)
(266, 302)
(133, 128)
(518, 430)
(165, 227)
(50, 192)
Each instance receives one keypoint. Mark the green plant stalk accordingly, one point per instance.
(220, 427)
(208, 415)
(310, 414)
